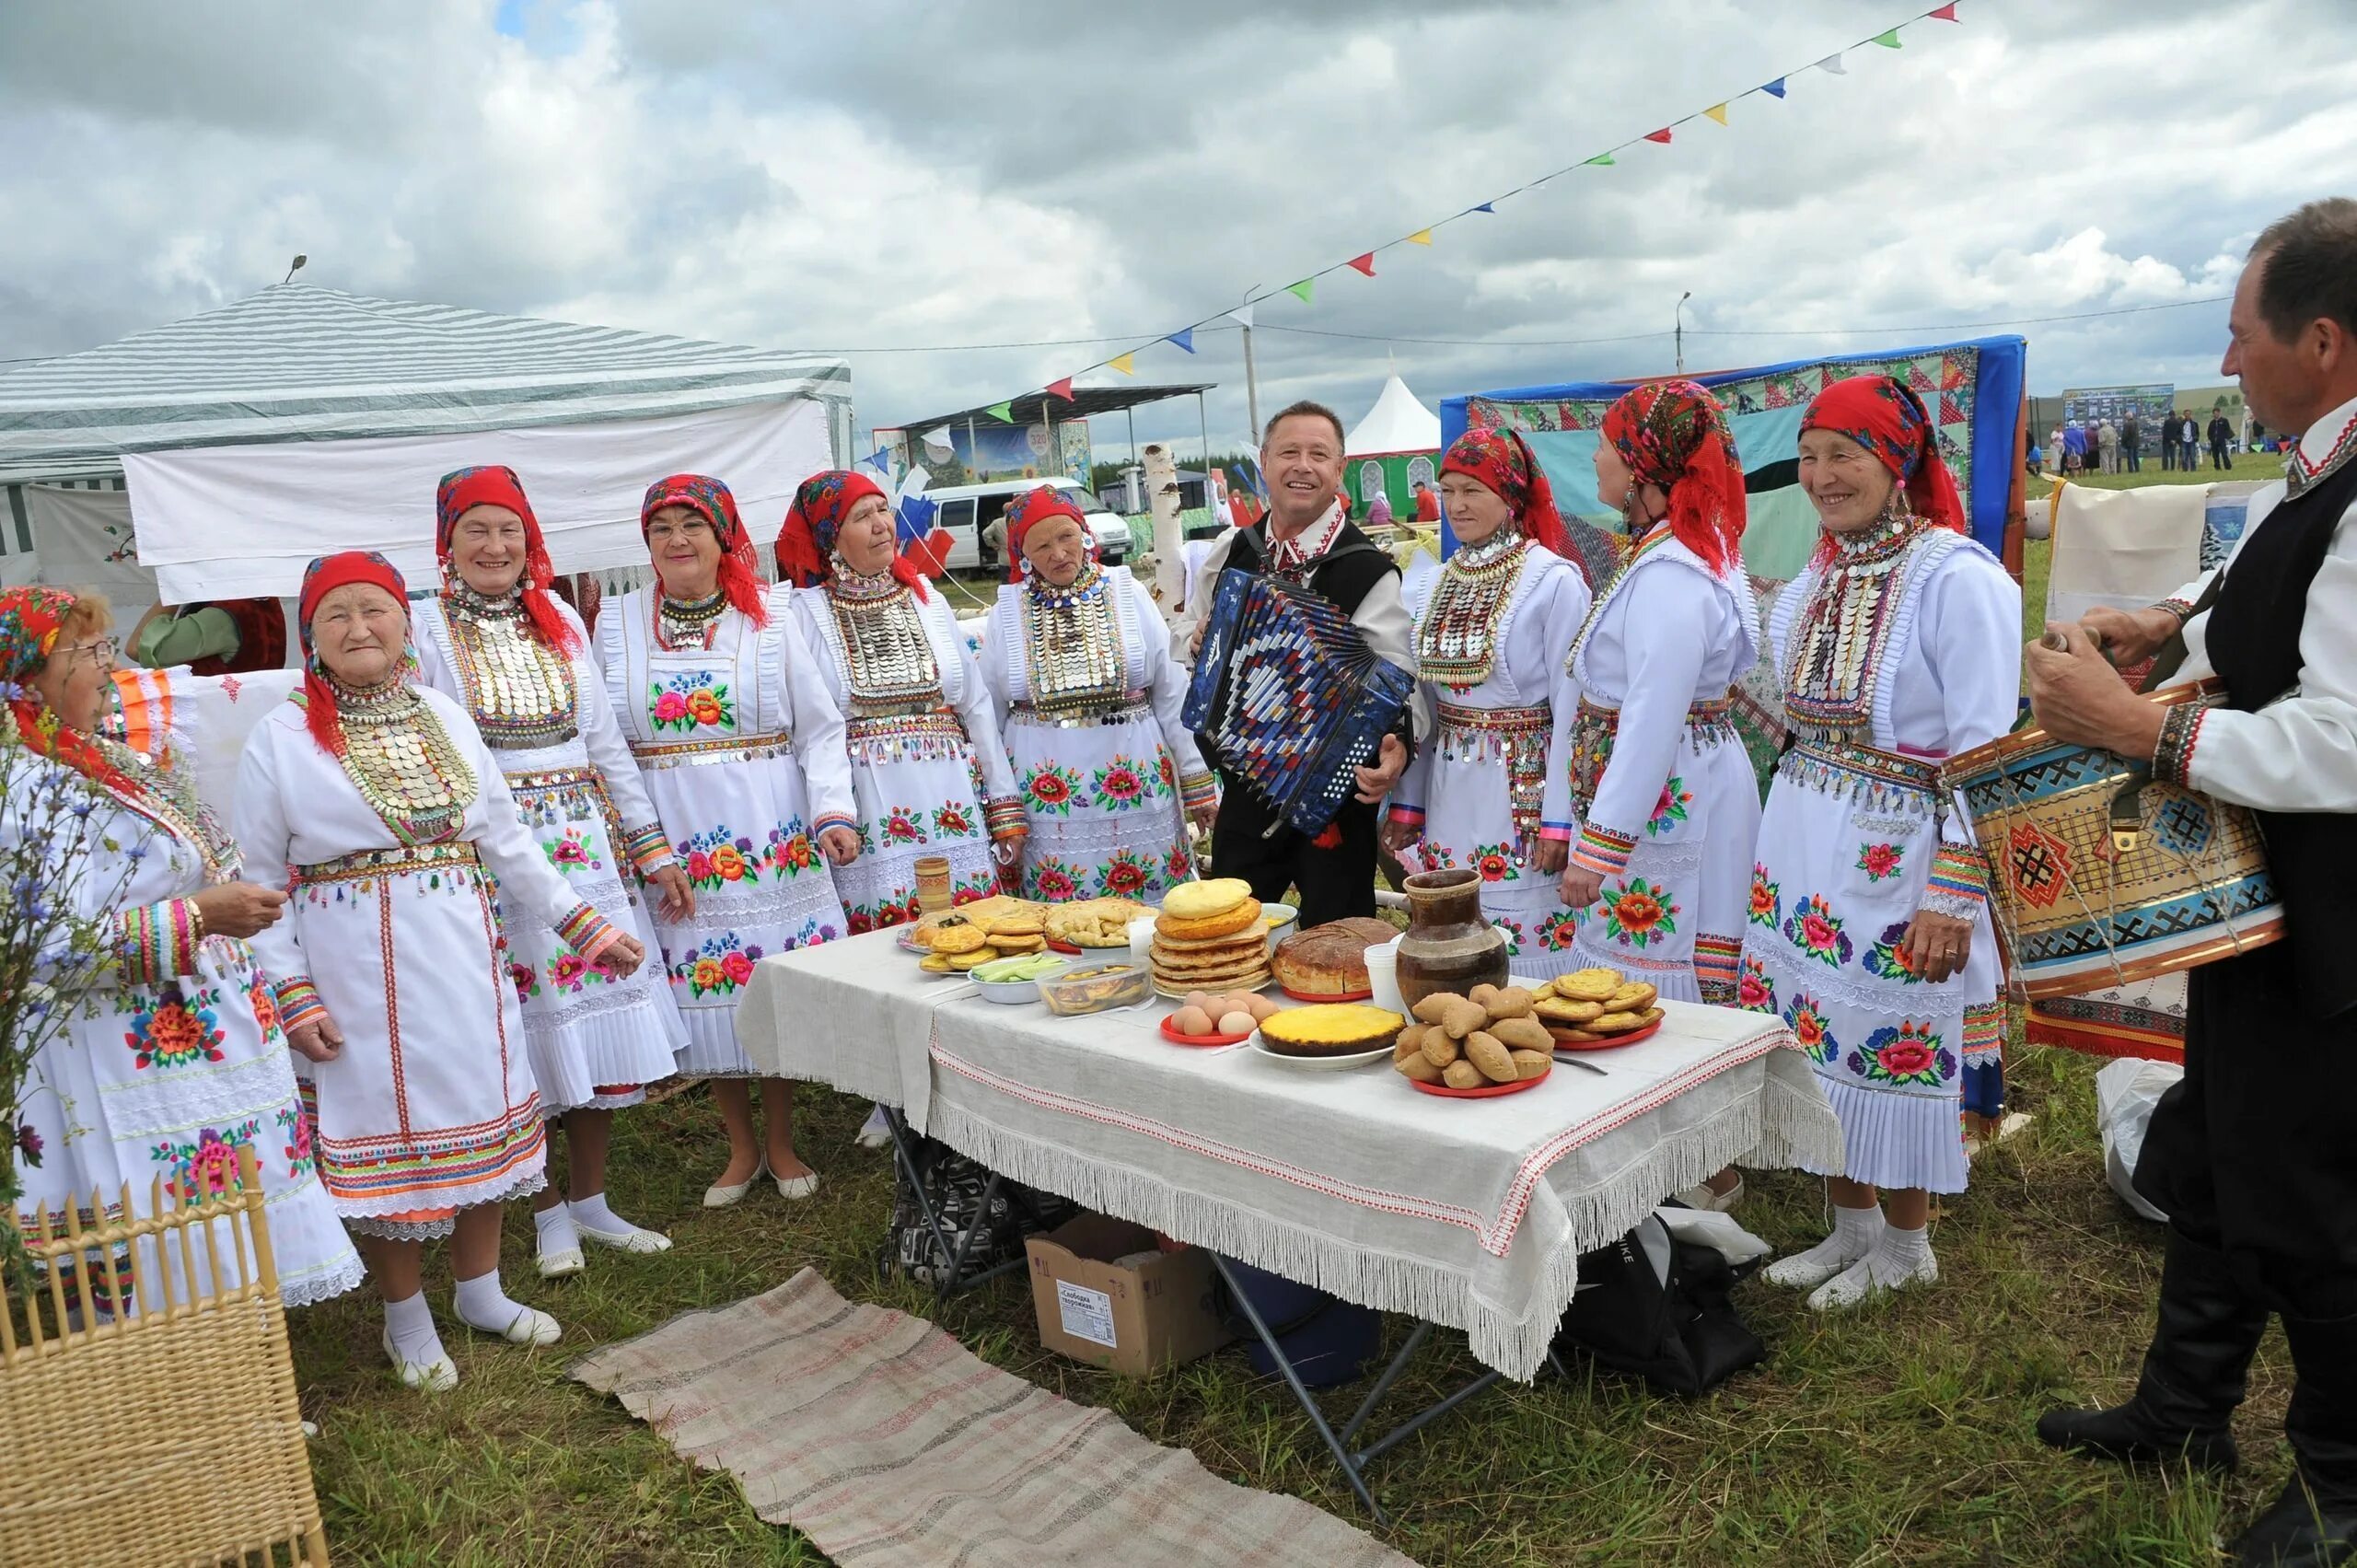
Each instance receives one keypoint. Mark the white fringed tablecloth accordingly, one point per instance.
(1469, 1214)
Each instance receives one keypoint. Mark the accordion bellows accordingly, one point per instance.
(1289, 696)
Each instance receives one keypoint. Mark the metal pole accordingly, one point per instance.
(1251, 386)
(1203, 424)
(1133, 414)
(1681, 328)
(973, 454)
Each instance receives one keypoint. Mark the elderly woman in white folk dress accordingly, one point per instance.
(1870, 935)
(926, 763)
(515, 655)
(1078, 664)
(375, 802)
(171, 1058)
(1492, 789)
(740, 747)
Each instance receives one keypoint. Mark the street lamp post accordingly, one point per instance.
(1681, 328)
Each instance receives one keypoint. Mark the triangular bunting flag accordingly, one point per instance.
(1832, 65)
(1242, 317)
(1484, 207)
(1660, 135)
(1127, 364)
(1945, 14)
(1184, 336)
(1364, 263)
(1003, 413)
(1421, 237)
(1774, 88)
(1303, 289)
(881, 461)
(1603, 160)
(1060, 388)
(1717, 111)
(1887, 39)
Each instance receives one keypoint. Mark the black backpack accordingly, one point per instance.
(1658, 1307)
(954, 1184)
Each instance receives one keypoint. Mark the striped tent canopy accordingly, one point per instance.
(297, 363)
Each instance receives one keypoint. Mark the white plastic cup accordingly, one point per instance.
(1383, 976)
(1141, 940)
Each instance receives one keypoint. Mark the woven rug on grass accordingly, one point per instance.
(891, 1446)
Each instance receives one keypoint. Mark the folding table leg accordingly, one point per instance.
(953, 1279)
(1292, 1381)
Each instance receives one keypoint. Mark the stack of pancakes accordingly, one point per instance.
(1211, 936)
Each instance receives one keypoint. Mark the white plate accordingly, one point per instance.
(1322, 1063)
(1008, 992)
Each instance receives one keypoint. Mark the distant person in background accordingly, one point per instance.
(2108, 446)
(2034, 462)
(1379, 511)
(2132, 445)
(1427, 504)
(2188, 437)
(225, 637)
(2054, 451)
(2169, 423)
(2074, 448)
(2221, 435)
(994, 538)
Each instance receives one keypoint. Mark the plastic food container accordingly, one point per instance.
(1008, 992)
(1089, 987)
(1282, 919)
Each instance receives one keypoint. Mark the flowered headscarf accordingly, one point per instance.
(1674, 433)
(322, 576)
(30, 620)
(491, 485)
(806, 545)
(1502, 461)
(1033, 507)
(1889, 420)
(740, 576)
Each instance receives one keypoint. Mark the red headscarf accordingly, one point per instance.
(30, 620)
(1036, 506)
(1889, 420)
(1674, 433)
(495, 486)
(806, 545)
(1502, 461)
(740, 576)
(323, 576)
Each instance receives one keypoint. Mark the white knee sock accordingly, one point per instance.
(555, 1227)
(482, 1305)
(409, 1324)
(1902, 1258)
(1855, 1233)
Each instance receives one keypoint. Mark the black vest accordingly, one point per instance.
(1346, 573)
(2254, 643)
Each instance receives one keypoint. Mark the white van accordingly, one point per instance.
(965, 510)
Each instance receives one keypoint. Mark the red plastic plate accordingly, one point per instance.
(1487, 1091)
(1174, 1038)
(1325, 996)
(1612, 1042)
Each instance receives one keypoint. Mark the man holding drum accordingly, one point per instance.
(2252, 1155)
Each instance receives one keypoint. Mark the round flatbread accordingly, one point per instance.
(1588, 985)
(964, 961)
(1633, 997)
(1241, 941)
(1199, 901)
(1555, 1010)
(1219, 958)
(963, 937)
(1243, 917)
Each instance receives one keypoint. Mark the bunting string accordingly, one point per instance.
(1305, 290)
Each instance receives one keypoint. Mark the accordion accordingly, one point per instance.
(1287, 695)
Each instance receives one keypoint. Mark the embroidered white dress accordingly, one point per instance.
(1858, 836)
(927, 766)
(173, 1059)
(1087, 694)
(740, 750)
(1494, 778)
(1668, 803)
(430, 1107)
(595, 1038)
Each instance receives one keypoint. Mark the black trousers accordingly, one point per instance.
(2218, 456)
(1334, 871)
(2255, 1152)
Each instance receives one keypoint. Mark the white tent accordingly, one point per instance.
(302, 420)
(1397, 423)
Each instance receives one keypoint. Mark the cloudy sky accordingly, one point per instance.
(910, 174)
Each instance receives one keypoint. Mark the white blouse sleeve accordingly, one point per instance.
(1969, 631)
(1000, 627)
(1567, 607)
(1655, 619)
(973, 705)
(2298, 753)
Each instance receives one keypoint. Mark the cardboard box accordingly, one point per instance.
(1135, 1318)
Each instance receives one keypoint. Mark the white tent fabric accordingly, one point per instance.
(227, 522)
(86, 543)
(296, 362)
(1397, 422)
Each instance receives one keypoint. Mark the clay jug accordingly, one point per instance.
(1450, 945)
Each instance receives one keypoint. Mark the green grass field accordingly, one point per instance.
(1899, 1434)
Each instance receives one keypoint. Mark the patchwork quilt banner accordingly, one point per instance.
(1973, 390)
